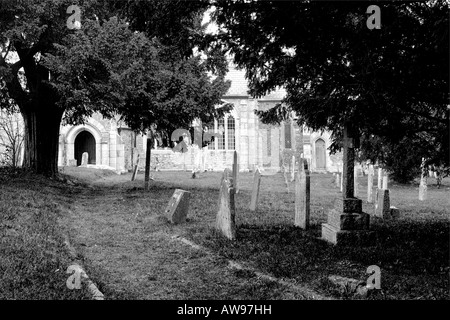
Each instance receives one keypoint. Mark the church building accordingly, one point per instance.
(269, 147)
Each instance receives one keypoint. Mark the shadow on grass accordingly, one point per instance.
(412, 256)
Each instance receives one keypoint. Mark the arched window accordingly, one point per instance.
(221, 129)
(231, 133)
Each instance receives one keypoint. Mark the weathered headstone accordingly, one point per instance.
(255, 190)
(227, 175)
(355, 177)
(385, 181)
(380, 177)
(225, 219)
(382, 209)
(302, 197)
(178, 207)
(235, 172)
(423, 182)
(370, 184)
(338, 180)
(84, 159)
(293, 168)
(347, 224)
(135, 169)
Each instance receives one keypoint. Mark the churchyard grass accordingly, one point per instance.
(33, 260)
(128, 249)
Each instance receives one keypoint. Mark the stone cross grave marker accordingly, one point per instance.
(225, 219)
(135, 169)
(302, 196)
(347, 224)
(84, 159)
(255, 190)
(178, 207)
(370, 184)
(423, 182)
(235, 171)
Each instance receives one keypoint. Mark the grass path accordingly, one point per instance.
(130, 253)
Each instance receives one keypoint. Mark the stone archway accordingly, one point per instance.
(85, 142)
(320, 154)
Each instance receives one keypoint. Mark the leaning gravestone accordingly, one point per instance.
(225, 219)
(255, 190)
(302, 197)
(178, 207)
(84, 159)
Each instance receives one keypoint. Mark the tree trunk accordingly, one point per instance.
(148, 155)
(41, 139)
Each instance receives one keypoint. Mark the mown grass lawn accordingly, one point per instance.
(129, 251)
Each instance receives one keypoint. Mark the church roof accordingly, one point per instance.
(239, 85)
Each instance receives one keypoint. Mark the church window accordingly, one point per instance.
(287, 135)
(231, 133)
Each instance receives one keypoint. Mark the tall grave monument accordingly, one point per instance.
(347, 224)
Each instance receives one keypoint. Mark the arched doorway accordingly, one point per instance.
(320, 155)
(85, 142)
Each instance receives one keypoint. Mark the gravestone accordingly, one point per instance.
(370, 184)
(235, 172)
(293, 168)
(394, 212)
(178, 207)
(385, 180)
(227, 175)
(346, 223)
(423, 182)
(382, 208)
(255, 190)
(84, 159)
(225, 219)
(355, 177)
(302, 196)
(380, 177)
(135, 169)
